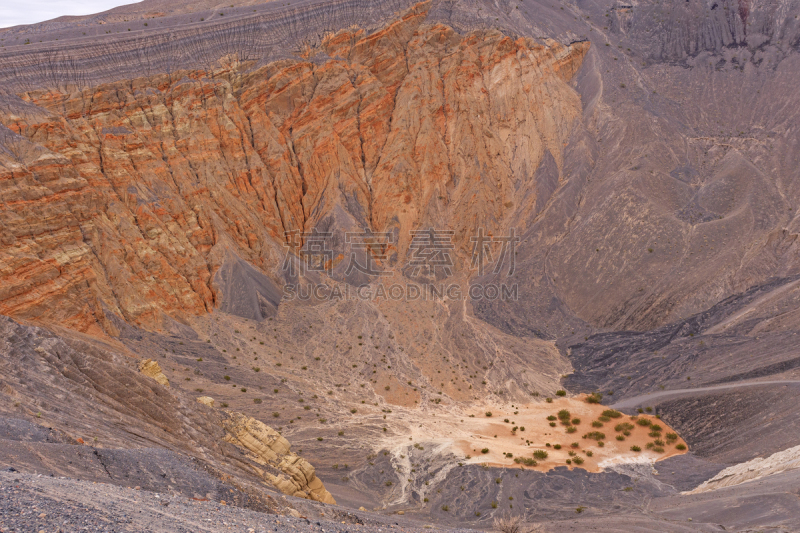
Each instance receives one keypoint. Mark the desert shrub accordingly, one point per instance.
(601, 443)
(527, 461)
(508, 524)
(564, 416)
(485, 450)
(256, 400)
(635, 448)
(551, 418)
(643, 422)
(624, 426)
(589, 453)
(575, 445)
(577, 460)
(620, 437)
(576, 421)
(654, 434)
(671, 437)
(649, 445)
(603, 419)
(612, 413)
(658, 442)
(548, 400)
(595, 435)
(595, 397)
(488, 413)
(540, 454)
(494, 505)
(571, 429)
(658, 449)
(680, 446)
(569, 461)
(561, 393)
(557, 446)
(552, 424)
(597, 424)
(445, 508)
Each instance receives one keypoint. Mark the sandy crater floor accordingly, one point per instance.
(468, 433)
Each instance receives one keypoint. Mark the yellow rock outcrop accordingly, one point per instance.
(151, 368)
(206, 400)
(267, 447)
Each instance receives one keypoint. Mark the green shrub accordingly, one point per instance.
(552, 424)
(577, 460)
(624, 426)
(643, 422)
(557, 446)
(576, 421)
(595, 435)
(527, 461)
(494, 505)
(540, 454)
(485, 450)
(589, 453)
(551, 418)
(611, 413)
(635, 448)
(561, 393)
(564, 416)
(671, 437)
(597, 424)
(680, 446)
(603, 419)
(548, 400)
(620, 438)
(595, 397)
(488, 413)
(571, 429)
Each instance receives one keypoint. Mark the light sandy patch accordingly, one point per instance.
(468, 433)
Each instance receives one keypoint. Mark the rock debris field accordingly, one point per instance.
(36, 503)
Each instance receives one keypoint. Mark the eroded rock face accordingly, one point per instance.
(752, 470)
(151, 368)
(267, 447)
(128, 196)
